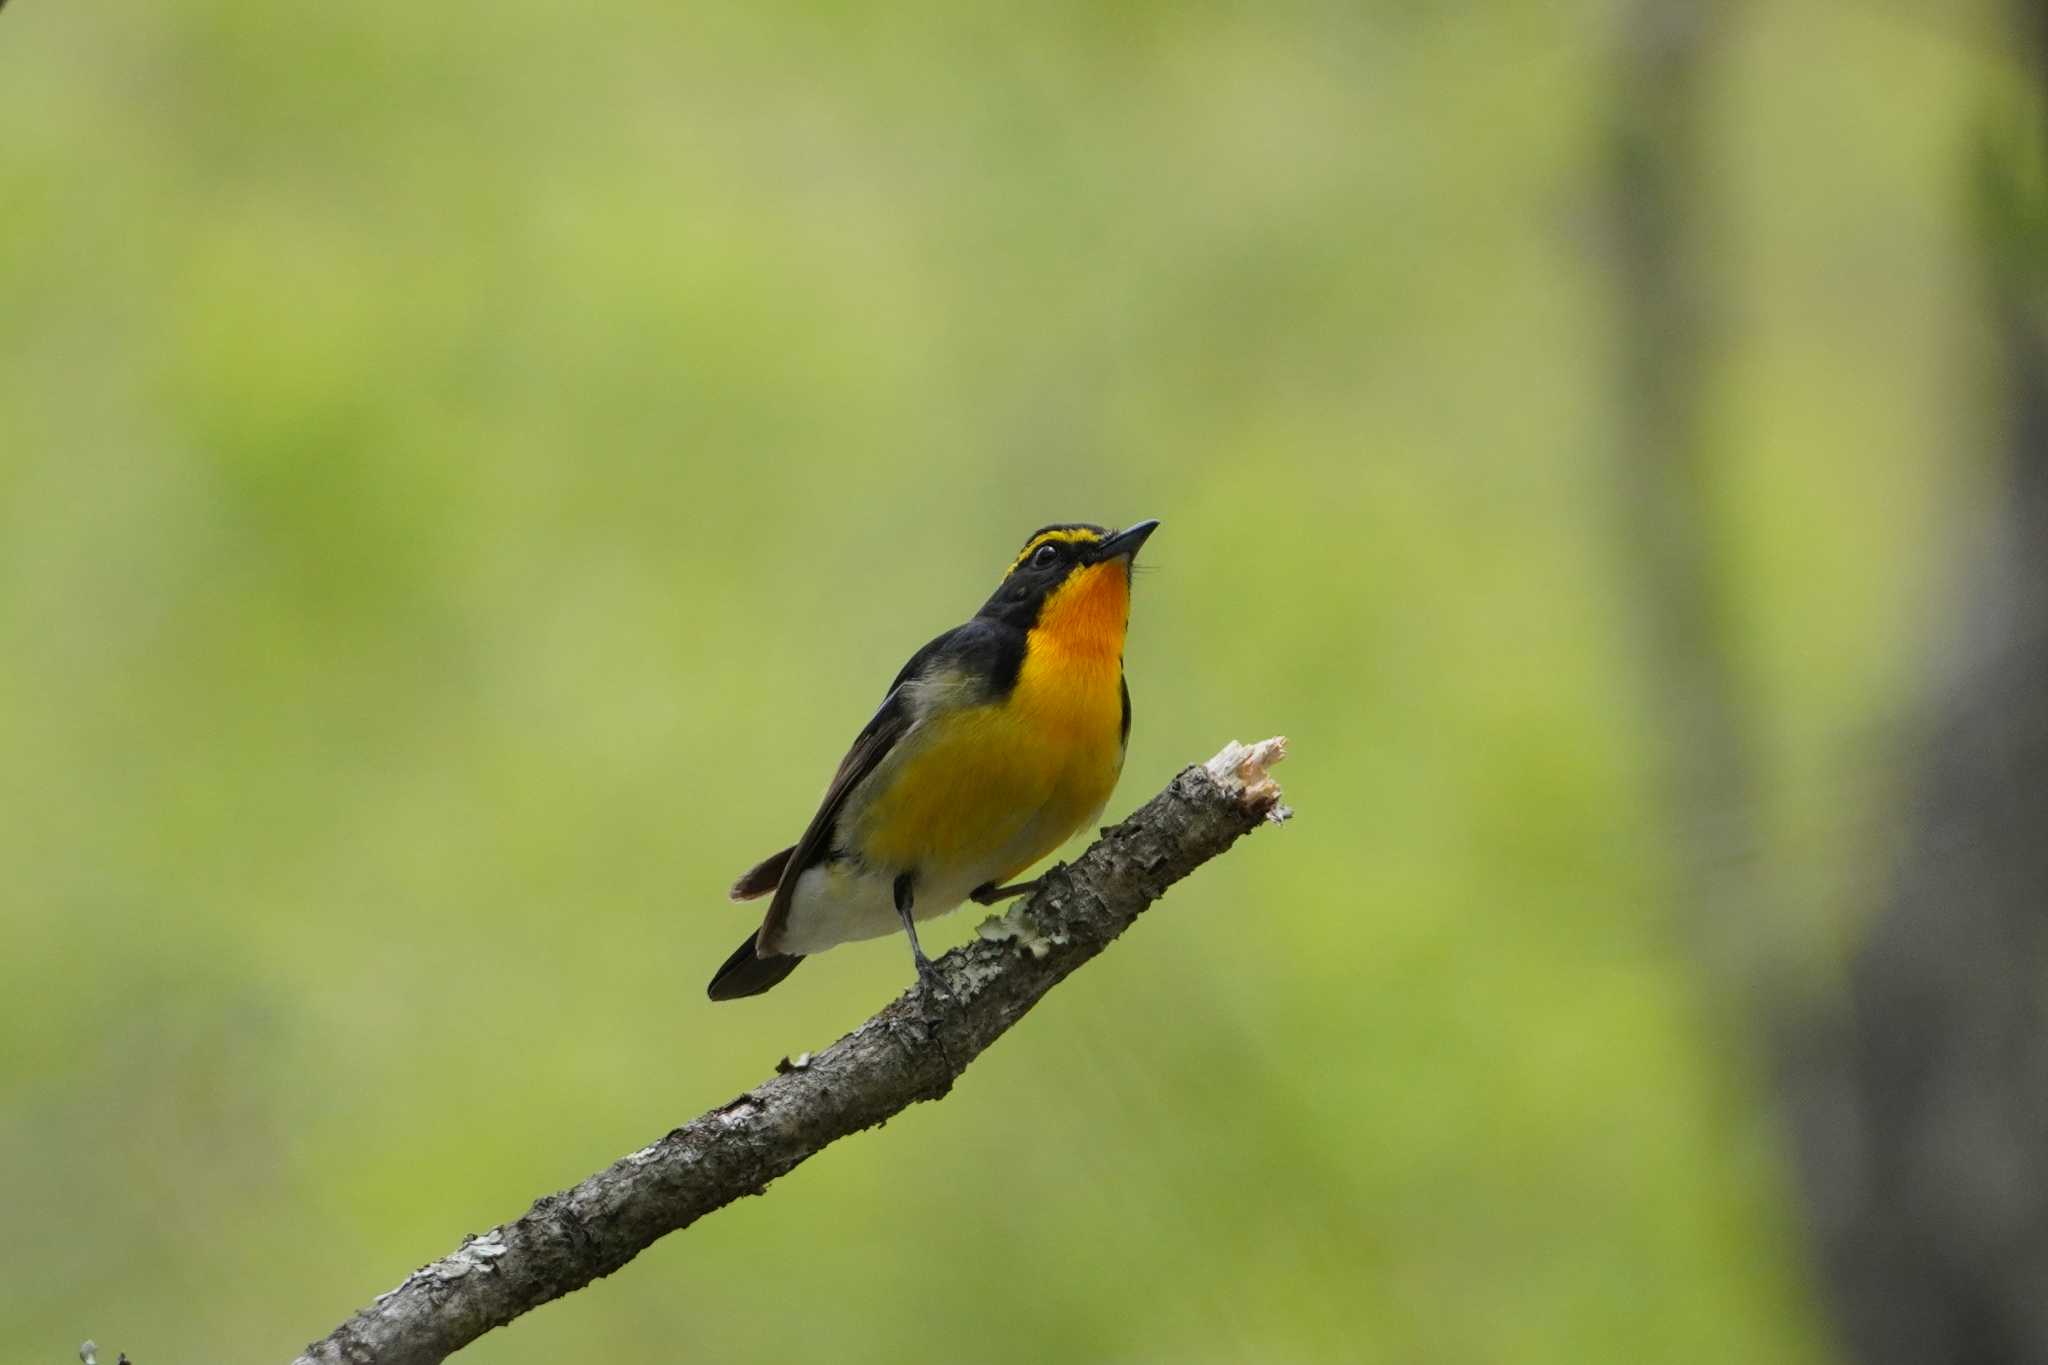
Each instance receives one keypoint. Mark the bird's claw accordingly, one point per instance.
(928, 977)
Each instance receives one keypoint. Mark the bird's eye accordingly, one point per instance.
(1047, 556)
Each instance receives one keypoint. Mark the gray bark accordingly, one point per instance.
(1929, 1167)
(912, 1050)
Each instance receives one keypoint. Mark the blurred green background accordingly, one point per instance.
(466, 471)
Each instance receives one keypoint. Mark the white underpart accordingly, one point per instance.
(847, 901)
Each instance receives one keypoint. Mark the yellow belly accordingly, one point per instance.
(989, 790)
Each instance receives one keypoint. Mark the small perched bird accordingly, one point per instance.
(996, 743)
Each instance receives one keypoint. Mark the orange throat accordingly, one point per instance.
(1081, 626)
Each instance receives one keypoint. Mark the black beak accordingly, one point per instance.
(1126, 542)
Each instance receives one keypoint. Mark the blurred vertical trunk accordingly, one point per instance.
(1929, 1177)
(1918, 1109)
(1667, 277)
(1668, 333)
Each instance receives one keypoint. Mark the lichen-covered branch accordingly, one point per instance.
(913, 1050)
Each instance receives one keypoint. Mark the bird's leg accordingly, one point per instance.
(926, 973)
(988, 893)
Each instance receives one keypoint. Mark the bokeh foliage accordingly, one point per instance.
(466, 470)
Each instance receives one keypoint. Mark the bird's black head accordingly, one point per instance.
(1070, 559)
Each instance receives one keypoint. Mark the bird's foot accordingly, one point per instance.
(928, 977)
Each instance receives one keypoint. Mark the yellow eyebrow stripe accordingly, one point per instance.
(1069, 536)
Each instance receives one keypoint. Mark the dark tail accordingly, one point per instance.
(746, 972)
(763, 876)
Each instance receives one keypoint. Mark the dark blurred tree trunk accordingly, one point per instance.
(1668, 335)
(1917, 1107)
(1666, 273)
(1929, 1179)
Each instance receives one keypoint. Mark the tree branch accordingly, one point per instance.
(912, 1050)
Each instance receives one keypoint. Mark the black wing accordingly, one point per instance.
(981, 645)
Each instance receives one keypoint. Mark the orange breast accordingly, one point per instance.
(1071, 681)
(1019, 777)
(1070, 690)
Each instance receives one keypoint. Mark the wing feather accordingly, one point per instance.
(990, 652)
(876, 739)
